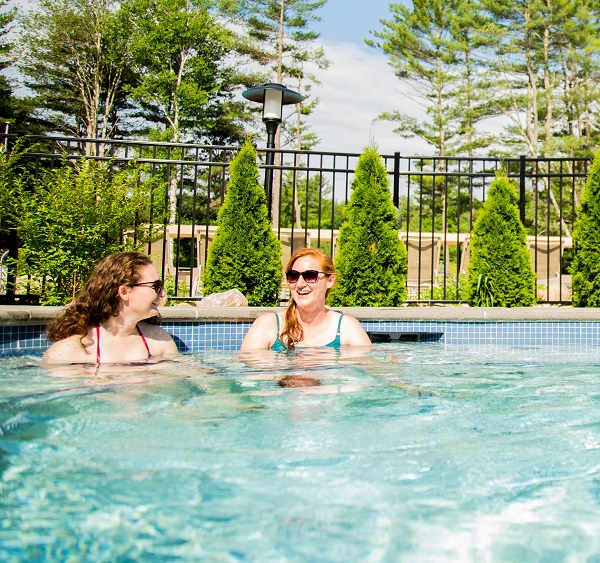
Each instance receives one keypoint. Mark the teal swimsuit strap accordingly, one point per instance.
(277, 345)
(339, 324)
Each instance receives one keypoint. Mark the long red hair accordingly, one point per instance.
(292, 329)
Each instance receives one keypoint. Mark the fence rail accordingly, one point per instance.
(437, 199)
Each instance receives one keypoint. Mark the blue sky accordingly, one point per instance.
(348, 21)
(359, 84)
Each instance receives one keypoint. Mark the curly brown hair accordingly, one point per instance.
(292, 330)
(99, 299)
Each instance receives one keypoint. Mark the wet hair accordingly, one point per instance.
(99, 299)
(298, 381)
(292, 329)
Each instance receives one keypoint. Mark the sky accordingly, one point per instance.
(359, 84)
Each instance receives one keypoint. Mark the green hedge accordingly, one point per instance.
(371, 260)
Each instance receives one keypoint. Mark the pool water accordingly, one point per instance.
(412, 452)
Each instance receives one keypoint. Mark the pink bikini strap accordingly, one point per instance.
(98, 344)
(145, 342)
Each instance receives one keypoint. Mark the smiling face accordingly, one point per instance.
(310, 295)
(143, 299)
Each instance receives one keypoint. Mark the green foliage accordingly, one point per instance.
(450, 288)
(245, 254)
(11, 184)
(371, 260)
(182, 287)
(70, 219)
(75, 59)
(585, 268)
(315, 208)
(500, 272)
(433, 44)
(278, 36)
(178, 51)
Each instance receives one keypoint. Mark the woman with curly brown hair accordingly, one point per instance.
(307, 321)
(105, 322)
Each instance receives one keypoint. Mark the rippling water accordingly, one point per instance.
(411, 452)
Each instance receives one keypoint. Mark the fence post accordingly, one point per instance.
(522, 165)
(396, 194)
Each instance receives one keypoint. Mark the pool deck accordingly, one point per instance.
(36, 315)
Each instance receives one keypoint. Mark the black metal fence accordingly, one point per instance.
(437, 199)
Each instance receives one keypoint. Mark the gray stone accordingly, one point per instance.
(231, 298)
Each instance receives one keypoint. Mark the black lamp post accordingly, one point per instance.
(273, 97)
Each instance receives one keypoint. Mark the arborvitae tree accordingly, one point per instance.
(586, 241)
(500, 273)
(371, 261)
(245, 254)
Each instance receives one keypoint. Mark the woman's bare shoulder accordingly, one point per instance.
(352, 332)
(266, 320)
(154, 331)
(161, 337)
(262, 333)
(67, 350)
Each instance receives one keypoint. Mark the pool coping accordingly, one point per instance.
(25, 315)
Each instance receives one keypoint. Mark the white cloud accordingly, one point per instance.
(355, 89)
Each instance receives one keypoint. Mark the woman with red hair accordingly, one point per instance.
(307, 322)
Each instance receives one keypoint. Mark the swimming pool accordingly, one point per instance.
(413, 452)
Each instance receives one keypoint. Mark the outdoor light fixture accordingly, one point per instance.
(273, 97)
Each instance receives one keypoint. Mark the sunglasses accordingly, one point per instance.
(310, 276)
(156, 285)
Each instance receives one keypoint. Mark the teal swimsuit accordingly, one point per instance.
(279, 347)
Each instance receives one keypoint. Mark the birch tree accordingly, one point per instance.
(278, 37)
(74, 56)
(178, 51)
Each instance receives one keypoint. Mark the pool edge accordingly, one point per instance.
(22, 315)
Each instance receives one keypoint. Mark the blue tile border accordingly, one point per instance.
(227, 335)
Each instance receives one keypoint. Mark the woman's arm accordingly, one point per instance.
(352, 333)
(262, 334)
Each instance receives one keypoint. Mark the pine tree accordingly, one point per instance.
(434, 44)
(371, 261)
(500, 273)
(586, 241)
(245, 254)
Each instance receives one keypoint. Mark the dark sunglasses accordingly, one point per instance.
(156, 285)
(310, 276)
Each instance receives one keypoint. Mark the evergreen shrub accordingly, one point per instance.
(500, 273)
(371, 261)
(585, 268)
(71, 217)
(245, 254)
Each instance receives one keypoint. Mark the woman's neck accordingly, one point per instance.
(120, 326)
(312, 317)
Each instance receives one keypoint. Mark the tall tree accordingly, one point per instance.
(586, 237)
(500, 273)
(537, 61)
(278, 37)
(433, 46)
(185, 85)
(6, 20)
(74, 57)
